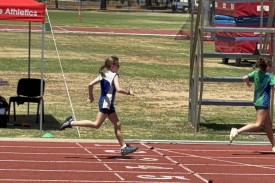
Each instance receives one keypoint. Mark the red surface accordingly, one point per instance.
(178, 34)
(102, 30)
(238, 34)
(33, 161)
(237, 46)
(237, 9)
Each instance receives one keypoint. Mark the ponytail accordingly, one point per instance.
(109, 61)
(101, 71)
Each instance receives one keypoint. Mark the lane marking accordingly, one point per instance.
(161, 177)
(108, 167)
(41, 180)
(148, 159)
(173, 161)
(225, 161)
(83, 162)
(91, 171)
(145, 167)
(180, 155)
(88, 152)
(116, 174)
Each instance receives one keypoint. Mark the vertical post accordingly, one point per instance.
(206, 13)
(79, 14)
(201, 73)
(42, 74)
(29, 61)
(196, 91)
(103, 5)
(261, 25)
(29, 52)
(269, 25)
(194, 71)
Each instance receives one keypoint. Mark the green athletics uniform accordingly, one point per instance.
(263, 81)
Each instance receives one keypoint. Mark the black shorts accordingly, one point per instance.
(107, 111)
(261, 107)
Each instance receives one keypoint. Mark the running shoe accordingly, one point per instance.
(128, 149)
(233, 134)
(66, 123)
(273, 149)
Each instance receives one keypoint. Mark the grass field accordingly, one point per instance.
(156, 68)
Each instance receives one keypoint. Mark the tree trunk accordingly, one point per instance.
(56, 4)
(103, 5)
(148, 2)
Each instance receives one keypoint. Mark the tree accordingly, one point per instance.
(103, 5)
(148, 2)
(56, 4)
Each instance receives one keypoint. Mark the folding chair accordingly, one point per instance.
(28, 90)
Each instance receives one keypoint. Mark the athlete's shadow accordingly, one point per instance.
(103, 157)
(255, 153)
(266, 152)
(117, 157)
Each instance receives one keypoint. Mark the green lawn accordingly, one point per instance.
(156, 68)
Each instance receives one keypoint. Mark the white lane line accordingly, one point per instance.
(39, 147)
(98, 159)
(61, 181)
(175, 162)
(224, 161)
(116, 174)
(91, 171)
(109, 168)
(77, 162)
(89, 152)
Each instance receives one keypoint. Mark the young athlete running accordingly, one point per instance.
(264, 81)
(109, 83)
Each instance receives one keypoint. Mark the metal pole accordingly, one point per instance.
(29, 52)
(29, 61)
(42, 74)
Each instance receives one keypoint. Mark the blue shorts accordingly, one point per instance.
(261, 107)
(107, 111)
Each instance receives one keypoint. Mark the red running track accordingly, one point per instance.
(187, 162)
(97, 30)
(179, 34)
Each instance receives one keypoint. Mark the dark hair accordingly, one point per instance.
(263, 63)
(109, 61)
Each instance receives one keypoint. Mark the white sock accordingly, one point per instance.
(72, 122)
(122, 147)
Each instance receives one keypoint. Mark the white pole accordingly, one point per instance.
(42, 74)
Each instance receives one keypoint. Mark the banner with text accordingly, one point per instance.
(27, 10)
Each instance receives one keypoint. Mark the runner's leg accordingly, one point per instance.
(117, 128)
(96, 124)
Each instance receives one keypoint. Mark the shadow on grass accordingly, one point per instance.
(220, 127)
(244, 63)
(218, 124)
(50, 123)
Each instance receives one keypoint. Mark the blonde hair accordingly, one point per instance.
(263, 63)
(109, 61)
